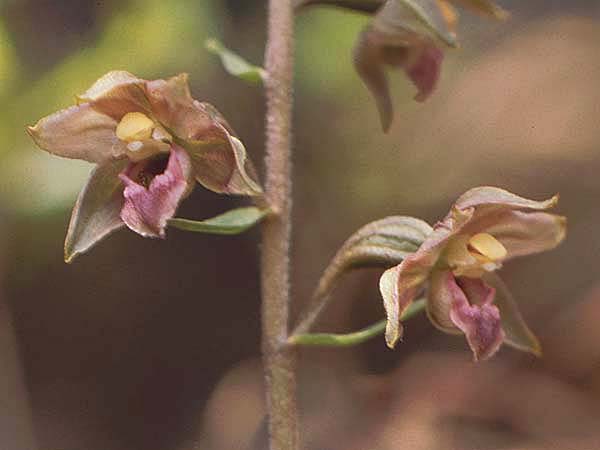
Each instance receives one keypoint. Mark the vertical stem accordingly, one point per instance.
(279, 359)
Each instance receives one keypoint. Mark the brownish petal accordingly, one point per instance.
(218, 158)
(416, 54)
(106, 83)
(439, 300)
(223, 166)
(369, 66)
(526, 233)
(79, 132)
(518, 334)
(488, 196)
(116, 94)
(453, 224)
(173, 106)
(96, 213)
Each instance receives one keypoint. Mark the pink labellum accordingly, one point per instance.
(153, 192)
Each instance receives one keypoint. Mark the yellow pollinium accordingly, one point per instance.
(135, 126)
(488, 246)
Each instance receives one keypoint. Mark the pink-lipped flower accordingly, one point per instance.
(405, 35)
(150, 141)
(486, 227)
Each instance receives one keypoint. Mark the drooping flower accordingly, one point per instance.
(456, 263)
(151, 141)
(407, 35)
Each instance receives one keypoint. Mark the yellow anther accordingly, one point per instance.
(457, 253)
(135, 126)
(487, 245)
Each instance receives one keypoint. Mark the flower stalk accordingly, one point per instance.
(279, 360)
(356, 338)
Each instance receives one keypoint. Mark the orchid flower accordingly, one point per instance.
(407, 35)
(486, 227)
(150, 141)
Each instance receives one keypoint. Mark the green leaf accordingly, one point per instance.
(351, 339)
(232, 222)
(235, 64)
(367, 6)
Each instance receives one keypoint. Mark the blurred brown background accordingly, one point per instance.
(148, 345)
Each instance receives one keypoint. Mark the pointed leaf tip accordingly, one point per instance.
(234, 64)
(235, 221)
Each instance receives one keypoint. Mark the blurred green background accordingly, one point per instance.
(153, 345)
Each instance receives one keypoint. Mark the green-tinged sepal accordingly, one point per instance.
(236, 65)
(235, 221)
(382, 243)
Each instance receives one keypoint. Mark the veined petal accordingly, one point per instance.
(146, 210)
(79, 132)
(442, 291)
(96, 213)
(116, 94)
(222, 166)
(399, 287)
(518, 334)
(493, 196)
(174, 107)
(526, 233)
(219, 159)
(108, 82)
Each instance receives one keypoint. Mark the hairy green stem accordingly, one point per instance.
(351, 339)
(279, 359)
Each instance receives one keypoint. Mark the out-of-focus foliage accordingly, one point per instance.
(235, 64)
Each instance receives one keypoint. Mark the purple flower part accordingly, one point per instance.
(153, 192)
(425, 72)
(474, 314)
(518, 224)
(88, 130)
